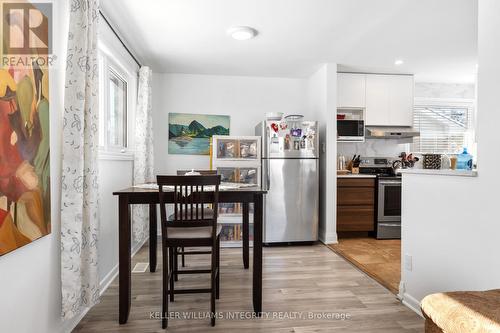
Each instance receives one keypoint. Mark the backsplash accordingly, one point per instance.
(444, 90)
(372, 148)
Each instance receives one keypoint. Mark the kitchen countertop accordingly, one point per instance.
(439, 172)
(356, 176)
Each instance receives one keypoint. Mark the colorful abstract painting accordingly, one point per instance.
(190, 134)
(24, 153)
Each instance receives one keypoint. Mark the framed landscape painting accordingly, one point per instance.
(190, 134)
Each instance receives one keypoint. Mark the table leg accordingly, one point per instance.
(246, 232)
(124, 258)
(257, 254)
(153, 237)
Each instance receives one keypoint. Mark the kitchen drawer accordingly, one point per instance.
(355, 182)
(355, 218)
(355, 196)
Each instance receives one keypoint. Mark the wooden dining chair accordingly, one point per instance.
(182, 252)
(189, 227)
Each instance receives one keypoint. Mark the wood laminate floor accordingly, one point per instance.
(379, 258)
(311, 280)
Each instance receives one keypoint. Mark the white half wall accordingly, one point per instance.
(450, 224)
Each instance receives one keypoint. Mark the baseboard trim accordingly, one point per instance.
(412, 303)
(106, 281)
(138, 246)
(104, 284)
(70, 324)
(401, 291)
(329, 239)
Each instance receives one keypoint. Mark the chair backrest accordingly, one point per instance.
(190, 194)
(201, 172)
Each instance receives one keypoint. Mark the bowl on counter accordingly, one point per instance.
(294, 117)
(274, 115)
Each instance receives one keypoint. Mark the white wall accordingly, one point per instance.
(450, 224)
(30, 286)
(109, 179)
(322, 94)
(444, 90)
(245, 99)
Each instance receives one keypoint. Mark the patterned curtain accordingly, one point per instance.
(143, 157)
(79, 197)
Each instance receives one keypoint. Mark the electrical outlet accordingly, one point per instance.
(408, 262)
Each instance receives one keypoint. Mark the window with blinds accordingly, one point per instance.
(443, 129)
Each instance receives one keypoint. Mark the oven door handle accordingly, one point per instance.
(389, 182)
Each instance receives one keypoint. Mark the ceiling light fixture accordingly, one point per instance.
(398, 62)
(242, 32)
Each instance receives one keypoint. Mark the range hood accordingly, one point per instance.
(381, 132)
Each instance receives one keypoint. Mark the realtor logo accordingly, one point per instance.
(27, 28)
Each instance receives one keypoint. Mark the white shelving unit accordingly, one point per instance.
(238, 160)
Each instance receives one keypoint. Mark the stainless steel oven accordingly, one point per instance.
(389, 208)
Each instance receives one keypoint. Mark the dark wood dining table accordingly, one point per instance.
(149, 196)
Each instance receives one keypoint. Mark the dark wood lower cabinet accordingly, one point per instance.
(355, 218)
(355, 196)
(355, 204)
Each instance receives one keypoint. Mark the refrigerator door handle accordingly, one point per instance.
(265, 173)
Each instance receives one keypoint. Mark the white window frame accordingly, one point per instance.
(454, 102)
(108, 62)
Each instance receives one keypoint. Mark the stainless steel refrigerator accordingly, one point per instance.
(290, 174)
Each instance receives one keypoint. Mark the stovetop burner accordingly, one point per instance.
(380, 166)
(381, 172)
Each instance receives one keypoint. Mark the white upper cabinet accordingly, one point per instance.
(351, 90)
(401, 100)
(377, 100)
(389, 100)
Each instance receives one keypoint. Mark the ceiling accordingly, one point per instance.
(437, 39)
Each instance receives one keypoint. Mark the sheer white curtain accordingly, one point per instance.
(79, 197)
(143, 157)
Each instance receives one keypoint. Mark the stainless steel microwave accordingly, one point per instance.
(350, 130)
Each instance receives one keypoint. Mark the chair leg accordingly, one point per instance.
(164, 308)
(213, 286)
(171, 272)
(183, 262)
(176, 264)
(218, 269)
